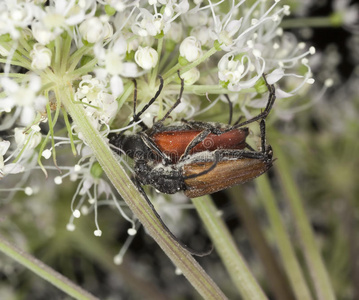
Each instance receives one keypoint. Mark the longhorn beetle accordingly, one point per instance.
(198, 158)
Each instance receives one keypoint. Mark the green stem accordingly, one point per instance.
(318, 272)
(42, 270)
(307, 22)
(155, 69)
(139, 206)
(15, 63)
(170, 75)
(277, 279)
(88, 68)
(290, 261)
(204, 89)
(69, 131)
(227, 250)
(66, 47)
(58, 54)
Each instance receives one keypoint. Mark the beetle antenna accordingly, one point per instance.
(230, 109)
(239, 119)
(176, 103)
(136, 117)
(190, 250)
(134, 99)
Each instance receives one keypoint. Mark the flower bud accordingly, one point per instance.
(191, 76)
(94, 30)
(146, 57)
(21, 138)
(190, 49)
(41, 57)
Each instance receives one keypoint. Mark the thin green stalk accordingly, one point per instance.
(128, 89)
(205, 89)
(318, 272)
(312, 22)
(139, 206)
(290, 261)
(14, 63)
(227, 250)
(44, 271)
(66, 46)
(58, 55)
(278, 282)
(170, 75)
(69, 131)
(76, 57)
(155, 69)
(88, 68)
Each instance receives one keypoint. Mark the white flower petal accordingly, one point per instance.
(274, 76)
(116, 86)
(13, 168)
(4, 146)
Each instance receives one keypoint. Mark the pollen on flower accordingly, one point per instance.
(329, 82)
(58, 180)
(46, 153)
(97, 232)
(70, 227)
(310, 80)
(301, 45)
(131, 231)
(77, 168)
(76, 213)
(28, 191)
(118, 259)
(84, 210)
(36, 128)
(178, 271)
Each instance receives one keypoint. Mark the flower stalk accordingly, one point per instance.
(44, 271)
(317, 269)
(226, 248)
(182, 258)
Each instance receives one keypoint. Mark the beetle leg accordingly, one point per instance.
(230, 109)
(198, 139)
(216, 160)
(249, 147)
(266, 111)
(190, 250)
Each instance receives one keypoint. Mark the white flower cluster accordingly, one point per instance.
(89, 51)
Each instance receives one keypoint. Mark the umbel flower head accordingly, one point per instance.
(78, 58)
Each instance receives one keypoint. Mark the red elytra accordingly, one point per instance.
(174, 143)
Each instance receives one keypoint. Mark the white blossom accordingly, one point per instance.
(31, 139)
(191, 76)
(103, 106)
(24, 98)
(112, 64)
(190, 49)
(146, 57)
(41, 57)
(8, 168)
(94, 30)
